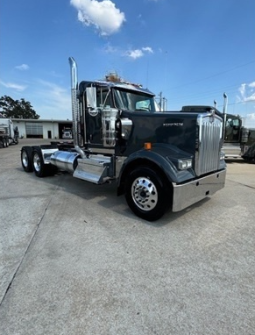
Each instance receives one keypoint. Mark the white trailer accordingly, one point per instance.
(8, 133)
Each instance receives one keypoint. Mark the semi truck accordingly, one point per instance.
(238, 141)
(8, 133)
(4, 138)
(159, 161)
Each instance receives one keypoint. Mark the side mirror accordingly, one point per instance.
(91, 94)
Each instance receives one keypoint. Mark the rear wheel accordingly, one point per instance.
(26, 159)
(4, 142)
(146, 194)
(39, 167)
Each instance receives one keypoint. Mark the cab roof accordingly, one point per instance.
(119, 85)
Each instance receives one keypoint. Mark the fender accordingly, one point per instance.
(164, 157)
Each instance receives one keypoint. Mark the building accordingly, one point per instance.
(39, 128)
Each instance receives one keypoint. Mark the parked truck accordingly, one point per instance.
(238, 141)
(158, 160)
(4, 138)
(8, 133)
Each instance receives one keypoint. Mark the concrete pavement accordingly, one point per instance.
(75, 260)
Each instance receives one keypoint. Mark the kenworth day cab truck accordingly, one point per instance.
(158, 160)
(8, 133)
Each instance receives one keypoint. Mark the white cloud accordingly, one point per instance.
(249, 120)
(135, 53)
(246, 98)
(103, 15)
(52, 86)
(13, 86)
(138, 53)
(246, 92)
(251, 116)
(110, 49)
(148, 49)
(52, 101)
(22, 67)
(252, 84)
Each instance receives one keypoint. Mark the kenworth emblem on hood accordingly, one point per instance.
(173, 124)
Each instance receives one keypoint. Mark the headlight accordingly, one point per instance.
(184, 164)
(222, 155)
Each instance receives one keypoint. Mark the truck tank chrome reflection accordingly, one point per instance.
(65, 160)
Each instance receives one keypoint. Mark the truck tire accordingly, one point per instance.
(40, 169)
(4, 142)
(26, 159)
(146, 195)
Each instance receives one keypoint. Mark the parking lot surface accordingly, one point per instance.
(75, 260)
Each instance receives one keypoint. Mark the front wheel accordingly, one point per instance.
(146, 194)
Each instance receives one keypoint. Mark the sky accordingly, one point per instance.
(191, 51)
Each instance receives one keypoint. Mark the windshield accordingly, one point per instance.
(133, 101)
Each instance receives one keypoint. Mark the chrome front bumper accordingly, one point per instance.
(188, 194)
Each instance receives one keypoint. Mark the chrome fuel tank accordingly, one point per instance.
(65, 160)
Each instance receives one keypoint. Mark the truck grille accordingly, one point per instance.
(209, 141)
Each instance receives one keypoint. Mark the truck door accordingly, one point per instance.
(94, 129)
(232, 129)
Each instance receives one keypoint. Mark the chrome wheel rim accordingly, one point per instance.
(24, 159)
(37, 162)
(144, 194)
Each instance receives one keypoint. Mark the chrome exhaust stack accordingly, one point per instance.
(75, 105)
(225, 106)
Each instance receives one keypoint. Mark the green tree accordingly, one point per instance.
(19, 109)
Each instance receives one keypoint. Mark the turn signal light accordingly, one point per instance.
(147, 146)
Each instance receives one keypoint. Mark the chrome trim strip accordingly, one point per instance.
(101, 151)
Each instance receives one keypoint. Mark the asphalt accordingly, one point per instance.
(75, 260)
